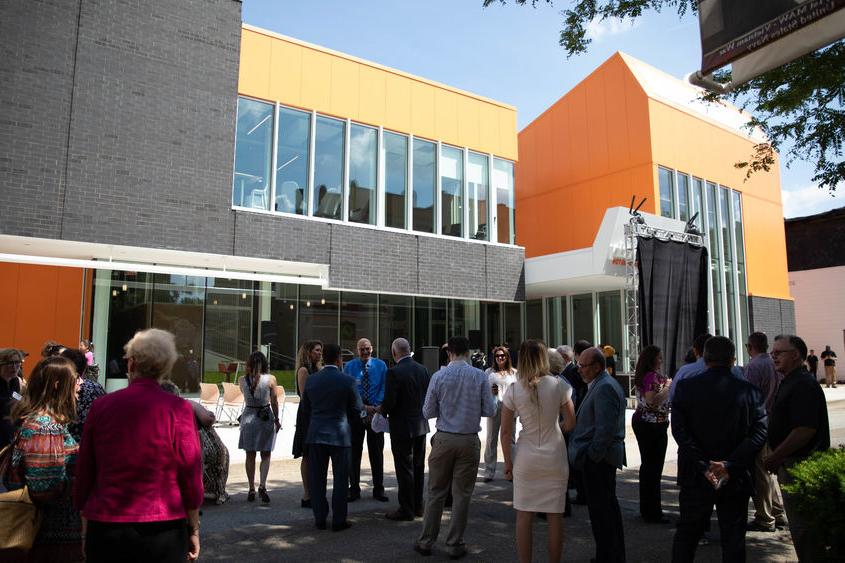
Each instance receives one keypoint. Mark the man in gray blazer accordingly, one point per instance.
(330, 397)
(597, 448)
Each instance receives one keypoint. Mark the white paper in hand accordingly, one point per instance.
(379, 423)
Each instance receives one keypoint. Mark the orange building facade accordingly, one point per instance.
(627, 130)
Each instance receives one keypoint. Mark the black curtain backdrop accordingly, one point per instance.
(672, 297)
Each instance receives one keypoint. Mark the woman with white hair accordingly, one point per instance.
(139, 477)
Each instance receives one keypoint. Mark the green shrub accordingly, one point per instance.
(819, 490)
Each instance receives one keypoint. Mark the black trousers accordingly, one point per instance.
(651, 439)
(696, 507)
(605, 515)
(375, 449)
(107, 542)
(409, 459)
(318, 468)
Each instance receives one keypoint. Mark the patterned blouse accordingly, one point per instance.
(88, 391)
(44, 459)
(659, 414)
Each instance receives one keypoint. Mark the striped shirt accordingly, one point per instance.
(458, 396)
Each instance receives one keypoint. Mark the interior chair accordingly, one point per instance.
(233, 402)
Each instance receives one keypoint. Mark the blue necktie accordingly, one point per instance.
(365, 384)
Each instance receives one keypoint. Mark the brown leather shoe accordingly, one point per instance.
(399, 516)
(419, 513)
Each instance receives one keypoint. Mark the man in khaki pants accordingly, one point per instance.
(829, 359)
(458, 396)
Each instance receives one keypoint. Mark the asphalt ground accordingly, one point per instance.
(282, 531)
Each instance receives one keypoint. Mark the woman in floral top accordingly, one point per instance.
(44, 456)
(650, 422)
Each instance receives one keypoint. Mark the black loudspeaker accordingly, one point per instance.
(269, 330)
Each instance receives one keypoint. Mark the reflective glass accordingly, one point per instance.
(739, 239)
(477, 186)
(179, 307)
(534, 319)
(318, 311)
(715, 252)
(395, 180)
(294, 139)
(556, 329)
(394, 321)
(465, 320)
(328, 168)
(363, 166)
(429, 322)
(229, 320)
(503, 184)
(253, 154)
(667, 192)
(358, 319)
(727, 239)
(698, 203)
(582, 318)
(452, 191)
(513, 326)
(129, 309)
(491, 320)
(683, 197)
(425, 182)
(610, 320)
(278, 333)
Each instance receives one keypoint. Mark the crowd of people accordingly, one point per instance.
(122, 476)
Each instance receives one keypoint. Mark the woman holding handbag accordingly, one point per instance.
(43, 457)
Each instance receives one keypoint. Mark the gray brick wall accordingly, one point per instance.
(772, 316)
(141, 153)
(366, 259)
(120, 130)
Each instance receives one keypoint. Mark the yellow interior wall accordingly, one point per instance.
(279, 69)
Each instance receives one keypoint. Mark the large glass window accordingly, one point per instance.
(683, 197)
(179, 307)
(739, 239)
(491, 320)
(278, 333)
(503, 184)
(513, 327)
(363, 166)
(667, 192)
(229, 322)
(727, 239)
(395, 180)
(477, 186)
(124, 300)
(358, 319)
(452, 191)
(610, 319)
(318, 310)
(715, 252)
(429, 322)
(465, 320)
(425, 182)
(582, 317)
(292, 145)
(698, 203)
(328, 168)
(556, 328)
(394, 322)
(253, 154)
(534, 319)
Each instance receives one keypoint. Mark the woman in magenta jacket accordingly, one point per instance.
(139, 474)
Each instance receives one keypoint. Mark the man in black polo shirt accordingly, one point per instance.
(798, 427)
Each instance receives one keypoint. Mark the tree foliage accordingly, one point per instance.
(798, 106)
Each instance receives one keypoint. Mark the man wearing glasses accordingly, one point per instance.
(798, 427)
(597, 449)
(369, 374)
(10, 391)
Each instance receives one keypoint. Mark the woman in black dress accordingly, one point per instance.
(309, 359)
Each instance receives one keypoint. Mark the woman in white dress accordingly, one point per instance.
(538, 465)
(501, 376)
(259, 421)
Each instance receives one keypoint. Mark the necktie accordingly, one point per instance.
(365, 384)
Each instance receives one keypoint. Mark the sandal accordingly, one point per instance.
(250, 496)
(262, 492)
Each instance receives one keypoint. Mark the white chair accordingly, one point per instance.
(260, 194)
(210, 397)
(233, 402)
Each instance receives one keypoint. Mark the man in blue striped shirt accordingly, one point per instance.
(458, 396)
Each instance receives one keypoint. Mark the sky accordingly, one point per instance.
(509, 53)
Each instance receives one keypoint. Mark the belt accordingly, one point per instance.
(460, 433)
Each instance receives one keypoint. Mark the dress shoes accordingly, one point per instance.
(352, 497)
(399, 516)
(320, 525)
(342, 526)
(305, 503)
(419, 513)
(458, 553)
(487, 479)
(755, 526)
(424, 551)
(381, 497)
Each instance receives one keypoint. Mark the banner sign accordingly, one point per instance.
(731, 29)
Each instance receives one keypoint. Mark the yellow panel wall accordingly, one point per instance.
(284, 70)
(704, 149)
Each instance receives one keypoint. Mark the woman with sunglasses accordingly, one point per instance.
(501, 376)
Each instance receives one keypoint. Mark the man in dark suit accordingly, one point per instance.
(407, 384)
(330, 397)
(597, 449)
(719, 423)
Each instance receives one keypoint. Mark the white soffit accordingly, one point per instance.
(50, 252)
(600, 267)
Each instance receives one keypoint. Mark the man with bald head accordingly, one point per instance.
(369, 374)
(597, 449)
(407, 384)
